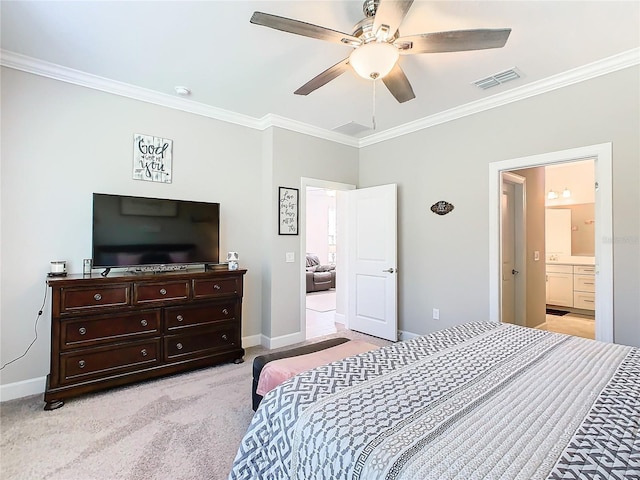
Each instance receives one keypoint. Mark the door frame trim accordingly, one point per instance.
(602, 156)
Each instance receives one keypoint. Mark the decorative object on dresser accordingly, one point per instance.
(116, 330)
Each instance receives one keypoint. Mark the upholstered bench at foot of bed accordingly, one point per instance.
(262, 360)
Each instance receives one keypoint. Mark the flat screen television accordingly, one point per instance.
(136, 231)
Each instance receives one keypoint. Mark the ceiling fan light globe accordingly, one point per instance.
(374, 60)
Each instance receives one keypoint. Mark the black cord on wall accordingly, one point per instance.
(35, 329)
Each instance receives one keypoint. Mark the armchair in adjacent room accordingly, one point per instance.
(319, 277)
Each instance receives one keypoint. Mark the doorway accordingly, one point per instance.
(320, 262)
(603, 266)
(561, 237)
(321, 293)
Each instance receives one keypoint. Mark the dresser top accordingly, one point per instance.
(124, 276)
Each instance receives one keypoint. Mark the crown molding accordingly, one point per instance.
(50, 70)
(271, 120)
(76, 77)
(580, 74)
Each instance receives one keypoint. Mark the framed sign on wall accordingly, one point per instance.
(287, 211)
(152, 158)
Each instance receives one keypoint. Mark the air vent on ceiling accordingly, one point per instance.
(351, 128)
(498, 78)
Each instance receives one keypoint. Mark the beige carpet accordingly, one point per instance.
(186, 426)
(322, 301)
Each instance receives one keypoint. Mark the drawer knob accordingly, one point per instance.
(82, 363)
(180, 318)
(179, 346)
(225, 311)
(97, 297)
(82, 330)
(224, 337)
(216, 287)
(144, 323)
(143, 352)
(163, 291)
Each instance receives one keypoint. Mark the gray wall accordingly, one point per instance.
(443, 260)
(62, 142)
(295, 156)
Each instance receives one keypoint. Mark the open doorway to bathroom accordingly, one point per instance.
(557, 229)
(533, 269)
(321, 250)
(570, 248)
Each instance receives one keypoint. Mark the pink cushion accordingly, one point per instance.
(277, 371)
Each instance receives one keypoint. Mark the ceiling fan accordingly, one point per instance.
(377, 44)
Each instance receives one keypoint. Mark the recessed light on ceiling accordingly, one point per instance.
(182, 91)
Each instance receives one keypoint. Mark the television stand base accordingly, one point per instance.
(157, 268)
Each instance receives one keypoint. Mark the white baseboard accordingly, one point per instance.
(251, 341)
(33, 386)
(283, 341)
(402, 335)
(341, 318)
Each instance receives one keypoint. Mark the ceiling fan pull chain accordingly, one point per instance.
(373, 118)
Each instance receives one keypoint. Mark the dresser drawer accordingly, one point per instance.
(176, 318)
(93, 331)
(584, 300)
(584, 283)
(208, 288)
(209, 341)
(160, 292)
(106, 361)
(75, 299)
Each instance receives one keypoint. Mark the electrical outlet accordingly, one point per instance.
(536, 255)
(290, 257)
(436, 314)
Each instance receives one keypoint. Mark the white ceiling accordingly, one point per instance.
(230, 64)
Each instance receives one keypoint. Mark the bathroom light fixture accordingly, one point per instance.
(552, 195)
(566, 193)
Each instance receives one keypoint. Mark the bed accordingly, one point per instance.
(482, 400)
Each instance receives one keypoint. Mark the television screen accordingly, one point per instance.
(134, 231)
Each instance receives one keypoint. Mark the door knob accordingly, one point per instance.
(515, 272)
(389, 270)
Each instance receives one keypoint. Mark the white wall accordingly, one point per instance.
(443, 260)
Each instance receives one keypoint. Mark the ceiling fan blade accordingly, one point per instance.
(324, 78)
(453, 41)
(302, 28)
(398, 84)
(390, 14)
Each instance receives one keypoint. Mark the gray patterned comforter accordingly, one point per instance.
(478, 401)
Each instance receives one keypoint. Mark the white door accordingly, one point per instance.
(373, 281)
(508, 254)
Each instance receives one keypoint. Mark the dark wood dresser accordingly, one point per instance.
(124, 328)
